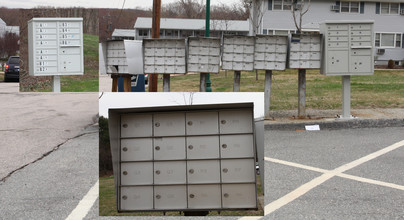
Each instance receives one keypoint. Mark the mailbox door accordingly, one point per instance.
(239, 196)
(136, 149)
(136, 198)
(169, 124)
(337, 61)
(360, 64)
(204, 197)
(239, 121)
(238, 170)
(202, 147)
(170, 172)
(139, 125)
(202, 123)
(170, 197)
(236, 146)
(203, 171)
(137, 173)
(169, 148)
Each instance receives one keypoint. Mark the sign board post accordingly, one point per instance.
(348, 50)
(55, 48)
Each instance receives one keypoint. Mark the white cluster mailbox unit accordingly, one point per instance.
(305, 51)
(270, 52)
(164, 56)
(55, 46)
(238, 53)
(184, 158)
(348, 48)
(116, 57)
(203, 55)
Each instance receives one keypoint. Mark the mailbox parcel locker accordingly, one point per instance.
(164, 56)
(238, 53)
(270, 52)
(203, 55)
(304, 51)
(348, 48)
(197, 157)
(55, 46)
(116, 57)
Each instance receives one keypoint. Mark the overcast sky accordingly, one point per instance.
(93, 3)
(146, 99)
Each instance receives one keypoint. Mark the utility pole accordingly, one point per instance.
(207, 34)
(155, 34)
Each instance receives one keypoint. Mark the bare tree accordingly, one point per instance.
(256, 8)
(299, 9)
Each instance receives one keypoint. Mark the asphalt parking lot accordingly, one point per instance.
(335, 174)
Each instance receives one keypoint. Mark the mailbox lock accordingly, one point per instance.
(124, 197)
(158, 197)
(191, 171)
(190, 147)
(225, 170)
(125, 173)
(157, 147)
(190, 123)
(125, 125)
(157, 172)
(157, 124)
(191, 196)
(226, 195)
(125, 149)
(224, 145)
(223, 121)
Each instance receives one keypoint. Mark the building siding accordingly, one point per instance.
(320, 11)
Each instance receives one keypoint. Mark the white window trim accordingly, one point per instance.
(349, 12)
(283, 3)
(399, 8)
(272, 31)
(395, 40)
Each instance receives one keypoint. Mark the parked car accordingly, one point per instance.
(12, 70)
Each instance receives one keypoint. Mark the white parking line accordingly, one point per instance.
(303, 189)
(85, 204)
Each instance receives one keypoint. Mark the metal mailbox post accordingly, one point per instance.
(270, 54)
(348, 50)
(55, 48)
(238, 55)
(184, 158)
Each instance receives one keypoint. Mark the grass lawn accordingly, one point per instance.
(2, 76)
(108, 205)
(384, 89)
(85, 83)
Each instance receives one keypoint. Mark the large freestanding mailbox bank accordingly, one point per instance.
(184, 158)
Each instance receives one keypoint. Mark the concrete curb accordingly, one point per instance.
(339, 124)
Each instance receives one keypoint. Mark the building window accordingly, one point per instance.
(279, 32)
(390, 8)
(282, 4)
(143, 32)
(388, 40)
(349, 7)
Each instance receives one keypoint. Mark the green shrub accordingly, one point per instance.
(390, 64)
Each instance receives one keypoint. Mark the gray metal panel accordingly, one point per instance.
(204, 197)
(238, 170)
(170, 197)
(304, 51)
(203, 171)
(238, 53)
(136, 198)
(199, 123)
(136, 149)
(238, 195)
(169, 148)
(204, 54)
(203, 147)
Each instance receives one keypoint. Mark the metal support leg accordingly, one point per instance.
(346, 97)
(166, 82)
(202, 82)
(236, 84)
(55, 83)
(301, 111)
(267, 92)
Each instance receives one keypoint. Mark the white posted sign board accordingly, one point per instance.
(270, 52)
(238, 53)
(348, 48)
(182, 158)
(164, 56)
(55, 46)
(305, 51)
(203, 55)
